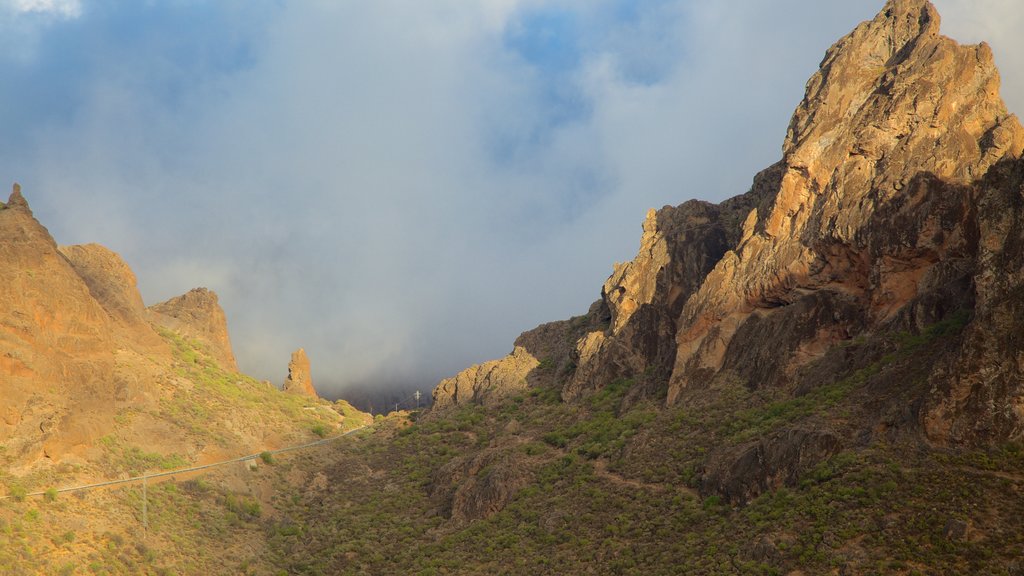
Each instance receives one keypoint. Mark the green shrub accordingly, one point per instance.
(267, 457)
(18, 492)
(245, 508)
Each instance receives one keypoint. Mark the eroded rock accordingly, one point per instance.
(197, 314)
(300, 376)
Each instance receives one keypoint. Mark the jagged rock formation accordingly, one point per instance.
(539, 357)
(113, 284)
(67, 360)
(81, 358)
(679, 246)
(895, 109)
(300, 378)
(484, 383)
(197, 314)
(897, 206)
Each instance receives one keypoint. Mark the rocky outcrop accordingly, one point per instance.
(479, 486)
(63, 355)
(977, 393)
(113, 284)
(768, 463)
(877, 264)
(644, 297)
(896, 204)
(486, 383)
(895, 110)
(542, 357)
(300, 377)
(81, 360)
(197, 314)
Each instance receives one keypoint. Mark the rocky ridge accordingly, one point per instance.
(61, 370)
(83, 360)
(894, 216)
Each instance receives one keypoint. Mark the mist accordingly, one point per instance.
(402, 188)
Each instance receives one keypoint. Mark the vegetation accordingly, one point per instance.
(611, 484)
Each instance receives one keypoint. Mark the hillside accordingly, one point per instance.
(821, 375)
(96, 387)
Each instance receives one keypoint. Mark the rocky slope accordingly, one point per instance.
(891, 225)
(874, 215)
(90, 377)
(65, 353)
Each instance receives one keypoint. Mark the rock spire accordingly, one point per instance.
(300, 379)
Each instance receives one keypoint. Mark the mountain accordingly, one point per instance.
(88, 372)
(67, 360)
(894, 208)
(821, 375)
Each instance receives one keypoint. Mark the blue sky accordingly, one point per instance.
(403, 187)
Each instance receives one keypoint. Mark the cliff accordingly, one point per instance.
(870, 278)
(74, 345)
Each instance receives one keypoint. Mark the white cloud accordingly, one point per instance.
(61, 8)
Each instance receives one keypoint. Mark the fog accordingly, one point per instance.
(401, 188)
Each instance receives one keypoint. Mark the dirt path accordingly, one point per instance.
(602, 471)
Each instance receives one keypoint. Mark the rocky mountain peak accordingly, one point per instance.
(893, 103)
(895, 206)
(64, 357)
(300, 377)
(16, 200)
(197, 314)
(892, 99)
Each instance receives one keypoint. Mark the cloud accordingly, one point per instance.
(401, 199)
(60, 8)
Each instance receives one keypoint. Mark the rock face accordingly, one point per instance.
(472, 488)
(73, 345)
(111, 283)
(197, 314)
(895, 109)
(485, 383)
(679, 247)
(540, 357)
(895, 214)
(300, 379)
(881, 215)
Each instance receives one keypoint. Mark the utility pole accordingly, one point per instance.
(145, 512)
(417, 395)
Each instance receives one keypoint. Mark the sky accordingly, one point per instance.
(401, 187)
